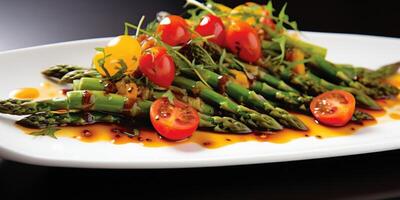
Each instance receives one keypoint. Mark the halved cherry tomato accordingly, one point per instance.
(174, 30)
(175, 121)
(243, 40)
(158, 66)
(212, 25)
(333, 108)
(123, 47)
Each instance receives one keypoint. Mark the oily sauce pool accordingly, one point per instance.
(149, 138)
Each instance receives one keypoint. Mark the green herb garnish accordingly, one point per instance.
(46, 132)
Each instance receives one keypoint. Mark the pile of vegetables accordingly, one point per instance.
(226, 70)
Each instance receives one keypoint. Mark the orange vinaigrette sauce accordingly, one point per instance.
(45, 91)
(148, 138)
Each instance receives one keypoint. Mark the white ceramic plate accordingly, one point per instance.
(21, 68)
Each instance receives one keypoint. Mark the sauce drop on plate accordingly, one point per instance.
(25, 93)
(395, 116)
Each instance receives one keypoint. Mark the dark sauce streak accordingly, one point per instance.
(110, 88)
(222, 81)
(137, 74)
(128, 105)
(86, 97)
(207, 143)
(65, 91)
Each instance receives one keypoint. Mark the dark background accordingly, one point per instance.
(26, 23)
(371, 176)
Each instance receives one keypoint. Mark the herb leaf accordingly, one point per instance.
(282, 44)
(121, 72)
(170, 96)
(100, 49)
(46, 132)
(134, 134)
(102, 61)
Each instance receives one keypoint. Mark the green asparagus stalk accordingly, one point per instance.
(58, 71)
(282, 116)
(222, 124)
(274, 82)
(95, 84)
(248, 116)
(219, 124)
(382, 90)
(46, 119)
(374, 78)
(51, 119)
(359, 116)
(215, 123)
(361, 98)
(77, 100)
(250, 98)
(290, 99)
(365, 75)
(338, 75)
(258, 73)
(383, 72)
(243, 95)
(86, 83)
(78, 74)
(313, 85)
(195, 51)
(196, 102)
(308, 48)
(352, 76)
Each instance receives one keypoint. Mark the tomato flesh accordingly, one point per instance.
(243, 40)
(211, 25)
(174, 30)
(158, 66)
(333, 108)
(175, 121)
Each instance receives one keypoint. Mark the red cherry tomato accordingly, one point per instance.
(174, 30)
(333, 108)
(175, 121)
(243, 40)
(158, 66)
(212, 25)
